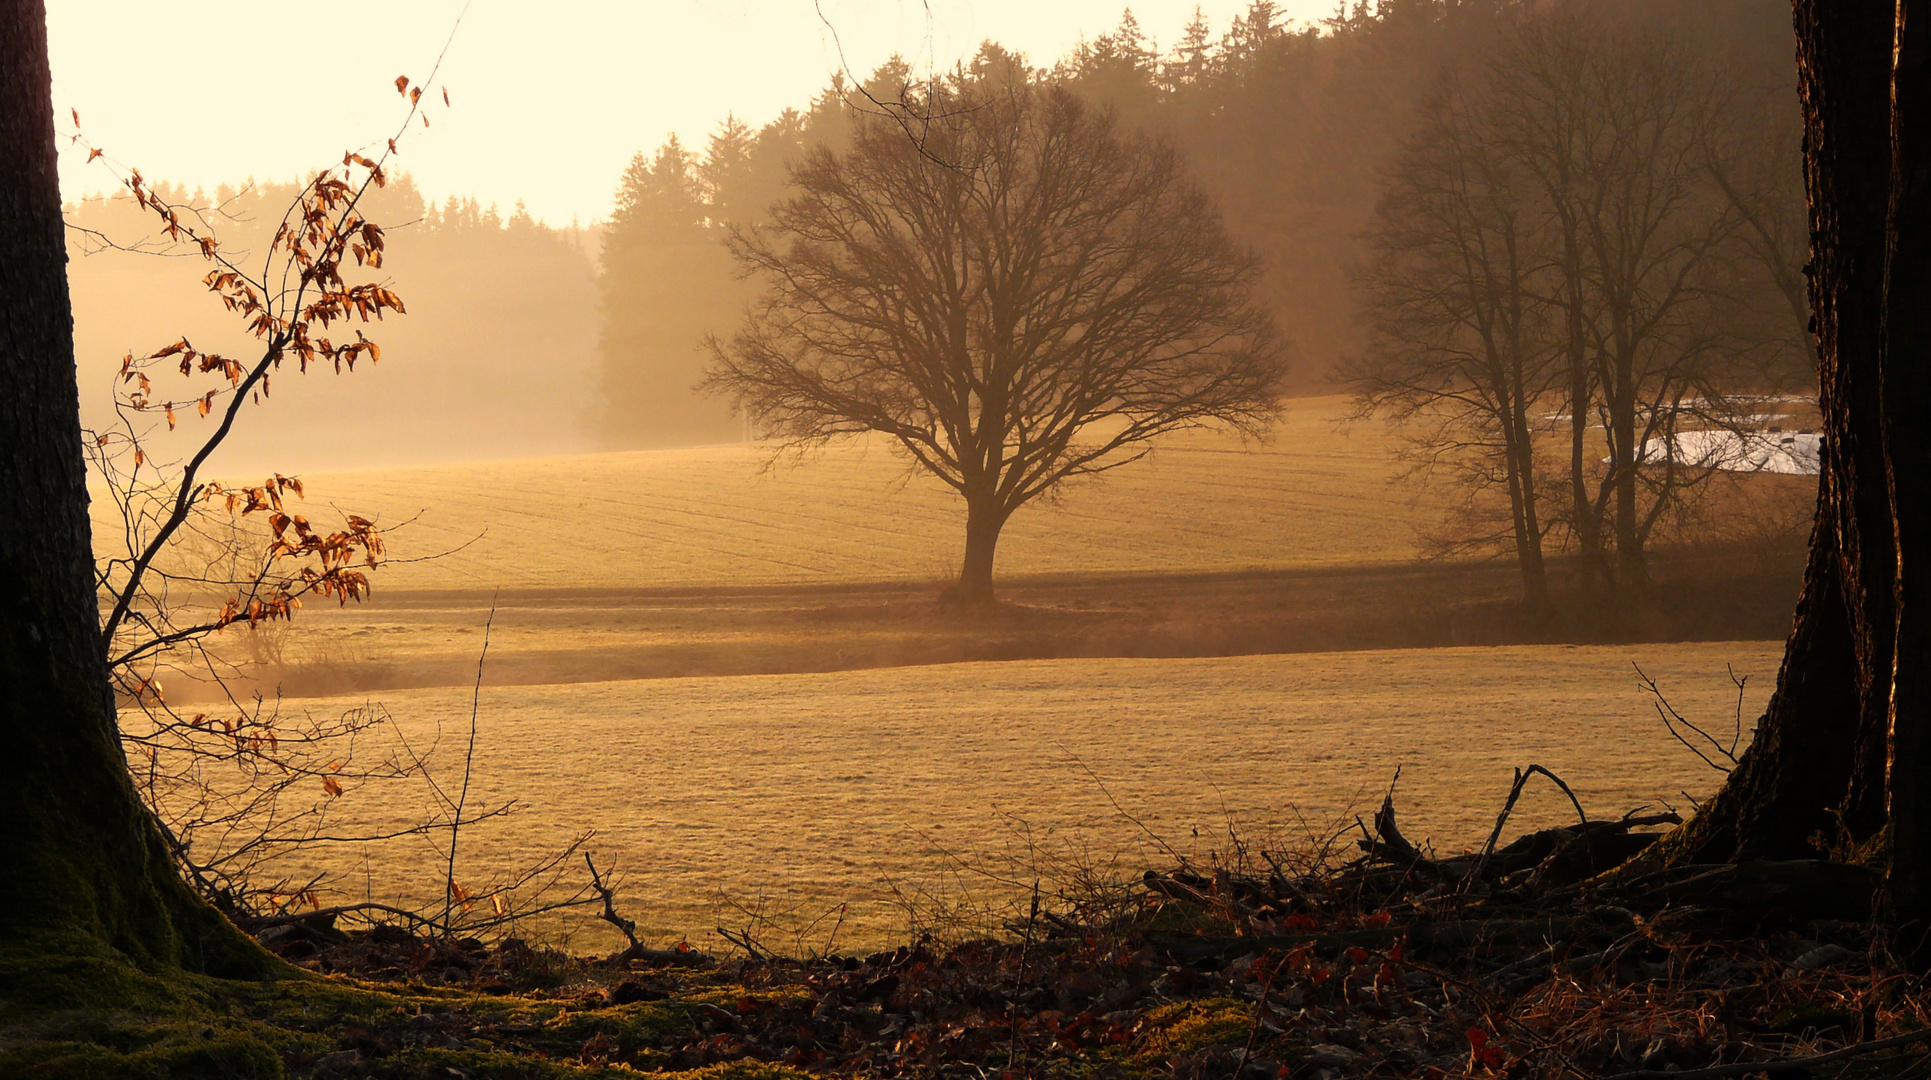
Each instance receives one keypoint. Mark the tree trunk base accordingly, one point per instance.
(957, 595)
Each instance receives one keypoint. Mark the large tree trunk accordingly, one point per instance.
(984, 519)
(1840, 751)
(1906, 378)
(85, 864)
(1798, 768)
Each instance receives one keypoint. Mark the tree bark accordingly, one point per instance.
(984, 519)
(1844, 63)
(1817, 764)
(1906, 391)
(86, 865)
(1798, 768)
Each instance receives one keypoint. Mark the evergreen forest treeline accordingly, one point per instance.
(1292, 127)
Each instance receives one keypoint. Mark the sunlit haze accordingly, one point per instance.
(933, 539)
(550, 100)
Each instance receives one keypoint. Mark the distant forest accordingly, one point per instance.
(552, 340)
(1292, 127)
(495, 357)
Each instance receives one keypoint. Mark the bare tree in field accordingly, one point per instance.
(1017, 292)
(1583, 226)
(1616, 123)
(1459, 286)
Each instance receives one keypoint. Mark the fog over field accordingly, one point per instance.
(1317, 492)
(965, 539)
(804, 792)
(1134, 434)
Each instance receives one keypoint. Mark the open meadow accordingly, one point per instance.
(719, 560)
(1320, 492)
(738, 674)
(793, 794)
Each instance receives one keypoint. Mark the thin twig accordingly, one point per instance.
(1260, 1010)
(609, 896)
(469, 761)
(1671, 718)
(1121, 810)
(1019, 986)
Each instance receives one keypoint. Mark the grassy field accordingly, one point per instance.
(679, 635)
(716, 561)
(1317, 494)
(411, 640)
(804, 791)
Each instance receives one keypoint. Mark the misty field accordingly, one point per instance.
(1318, 493)
(668, 654)
(801, 792)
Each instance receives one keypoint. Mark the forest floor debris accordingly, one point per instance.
(1366, 958)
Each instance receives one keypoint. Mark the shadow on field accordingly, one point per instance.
(406, 640)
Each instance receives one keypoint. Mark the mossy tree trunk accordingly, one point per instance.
(83, 866)
(1841, 753)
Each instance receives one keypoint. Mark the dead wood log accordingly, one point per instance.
(1177, 887)
(1580, 851)
(1386, 844)
(1419, 938)
(1508, 807)
(1786, 1066)
(256, 926)
(665, 957)
(1797, 888)
(1390, 833)
(1588, 851)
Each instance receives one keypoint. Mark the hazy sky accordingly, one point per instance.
(550, 99)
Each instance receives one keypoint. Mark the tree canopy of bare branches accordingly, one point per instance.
(1021, 295)
(1616, 123)
(1581, 235)
(1460, 287)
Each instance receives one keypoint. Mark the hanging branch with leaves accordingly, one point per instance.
(197, 556)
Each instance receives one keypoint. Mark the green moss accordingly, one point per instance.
(71, 1007)
(627, 1026)
(1194, 1025)
(1111, 1061)
(493, 1064)
(727, 995)
(50, 972)
(158, 1051)
(741, 1070)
